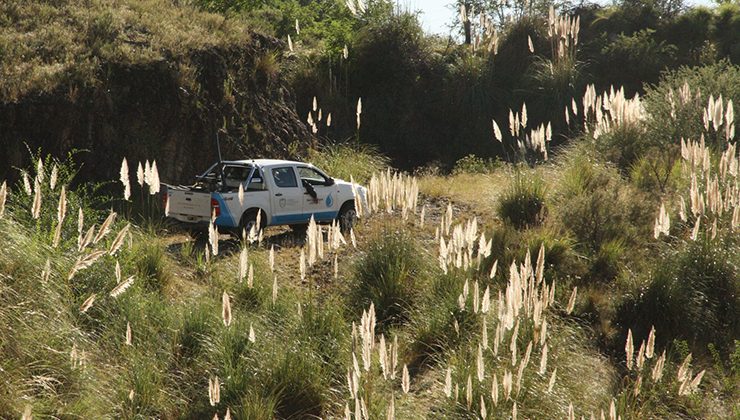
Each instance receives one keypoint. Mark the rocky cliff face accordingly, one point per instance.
(168, 110)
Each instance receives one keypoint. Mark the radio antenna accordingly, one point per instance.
(218, 145)
(220, 158)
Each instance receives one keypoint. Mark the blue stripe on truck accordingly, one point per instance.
(303, 217)
(225, 219)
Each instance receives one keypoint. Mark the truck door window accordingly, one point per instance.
(284, 177)
(312, 176)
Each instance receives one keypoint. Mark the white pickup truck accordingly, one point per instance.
(282, 192)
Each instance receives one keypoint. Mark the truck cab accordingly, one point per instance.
(280, 192)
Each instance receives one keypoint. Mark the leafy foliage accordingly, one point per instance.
(669, 123)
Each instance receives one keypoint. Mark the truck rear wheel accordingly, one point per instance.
(249, 220)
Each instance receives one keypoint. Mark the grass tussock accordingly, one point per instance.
(350, 160)
(523, 203)
(391, 276)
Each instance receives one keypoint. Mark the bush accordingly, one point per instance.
(727, 31)
(390, 275)
(637, 58)
(694, 295)
(385, 62)
(690, 32)
(663, 128)
(472, 164)
(657, 172)
(606, 264)
(523, 203)
(594, 203)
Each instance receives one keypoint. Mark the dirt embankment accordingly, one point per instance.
(168, 110)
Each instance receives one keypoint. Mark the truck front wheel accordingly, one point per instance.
(347, 216)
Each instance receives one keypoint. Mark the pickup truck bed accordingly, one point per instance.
(189, 205)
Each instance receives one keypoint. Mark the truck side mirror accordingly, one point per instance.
(329, 182)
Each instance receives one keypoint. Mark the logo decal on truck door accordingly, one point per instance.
(329, 201)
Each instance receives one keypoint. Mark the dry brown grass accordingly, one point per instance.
(479, 191)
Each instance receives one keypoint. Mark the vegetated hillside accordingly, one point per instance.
(140, 78)
(430, 98)
(599, 279)
(536, 300)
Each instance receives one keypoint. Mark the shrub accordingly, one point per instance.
(472, 164)
(623, 145)
(390, 275)
(690, 32)
(726, 30)
(658, 171)
(693, 294)
(523, 203)
(667, 124)
(385, 63)
(630, 60)
(594, 203)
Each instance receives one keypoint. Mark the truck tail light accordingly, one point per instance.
(165, 197)
(215, 207)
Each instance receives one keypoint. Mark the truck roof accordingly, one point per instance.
(267, 162)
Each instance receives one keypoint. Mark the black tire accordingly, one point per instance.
(249, 219)
(347, 216)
